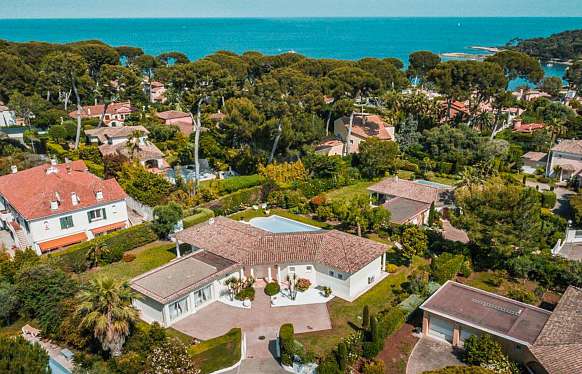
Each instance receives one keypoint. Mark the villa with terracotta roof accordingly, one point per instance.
(364, 126)
(115, 115)
(182, 120)
(223, 248)
(409, 201)
(565, 160)
(56, 205)
(545, 342)
(113, 140)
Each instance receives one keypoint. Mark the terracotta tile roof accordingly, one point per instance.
(408, 189)
(403, 210)
(369, 125)
(62, 242)
(97, 110)
(534, 156)
(558, 347)
(248, 245)
(452, 233)
(31, 191)
(146, 151)
(173, 114)
(569, 146)
(488, 312)
(105, 133)
(527, 127)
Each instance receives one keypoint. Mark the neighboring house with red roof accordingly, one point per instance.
(409, 201)
(157, 92)
(224, 248)
(543, 341)
(565, 160)
(364, 126)
(115, 115)
(331, 147)
(182, 120)
(56, 205)
(527, 128)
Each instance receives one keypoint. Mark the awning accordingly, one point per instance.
(62, 242)
(111, 227)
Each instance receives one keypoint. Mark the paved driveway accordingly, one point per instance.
(431, 354)
(260, 321)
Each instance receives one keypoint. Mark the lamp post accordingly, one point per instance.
(197, 128)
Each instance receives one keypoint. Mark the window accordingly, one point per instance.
(340, 276)
(292, 269)
(371, 279)
(203, 296)
(331, 273)
(178, 308)
(66, 222)
(308, 268)
(96, 215)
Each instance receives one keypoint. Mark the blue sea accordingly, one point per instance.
(344, 38)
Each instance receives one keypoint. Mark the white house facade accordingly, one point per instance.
(223, 248)
(564, 161)
(52, 206)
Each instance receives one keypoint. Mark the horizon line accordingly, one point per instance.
(278, 17)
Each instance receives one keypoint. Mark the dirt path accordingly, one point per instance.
(397, 349)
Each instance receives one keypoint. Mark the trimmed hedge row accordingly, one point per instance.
(218, 353)
(202, 215)
(287, 340)
(233, 184)
(236, 201)
(110, 248)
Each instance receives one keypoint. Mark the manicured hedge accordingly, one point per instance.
(446, 266)
(287, 341)
(236, 201)
(218, 353)
(233, 184)
(548, 199)
(202, 215)
(75, 258)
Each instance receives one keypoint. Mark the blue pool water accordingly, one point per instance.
(57, 368)
(277, 224)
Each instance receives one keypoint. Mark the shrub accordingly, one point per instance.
(303, 284)
(326, 291)
(461, 370)
(366, 316)
(128, 257)
(19, 356)
(446, 266)
(272, 288)
(323, 213)
(374, 367)
(370, 349)
(391, 268)
(246, 294)
(548, 199)
(329, 366)
(233, 184)
(236, 201)
(525, 296)
(483, 350)
(390, 321)
(200, 215)
(287, 341)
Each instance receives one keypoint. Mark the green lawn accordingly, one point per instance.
(345, 316)
(218, 353)
(251, 213)
(148, 257)
(349, 192)
(450, 181)
(13, 329)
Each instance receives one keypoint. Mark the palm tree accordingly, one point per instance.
(105, 308)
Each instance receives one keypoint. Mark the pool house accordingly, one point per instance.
(267, 249)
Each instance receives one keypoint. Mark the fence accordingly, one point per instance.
(145, 211)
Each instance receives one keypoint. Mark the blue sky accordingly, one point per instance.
(285, 8)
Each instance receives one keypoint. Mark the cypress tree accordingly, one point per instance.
(374, 337)
(342, 356)
(431, 215)
(366, 317)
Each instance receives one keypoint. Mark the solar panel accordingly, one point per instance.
(498, 307)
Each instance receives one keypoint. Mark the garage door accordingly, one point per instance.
(441, 329)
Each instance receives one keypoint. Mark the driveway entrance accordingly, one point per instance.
(261, 323)
(431, 354)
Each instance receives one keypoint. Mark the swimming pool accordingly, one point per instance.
(57, 368)
(432, 184)
(278, 224)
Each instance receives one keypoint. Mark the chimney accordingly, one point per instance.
(74, 198)
(54, 205)
(14, 169)
(99, 195)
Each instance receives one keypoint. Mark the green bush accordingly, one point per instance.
(246, 294)
(75, 258)
(548, 199)
(233, 184)
(20, 356)
(390, 321)
(391, 268)
(461, 370)
(236, 201)
(287, 342)
(370, 349)
(525, 296)
(484, 350)
(201, 215)
(272, 288)
(446, 266)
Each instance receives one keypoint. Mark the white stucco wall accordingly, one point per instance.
(359, 280)
(150, 310)
(339, 287)
(49, 228)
